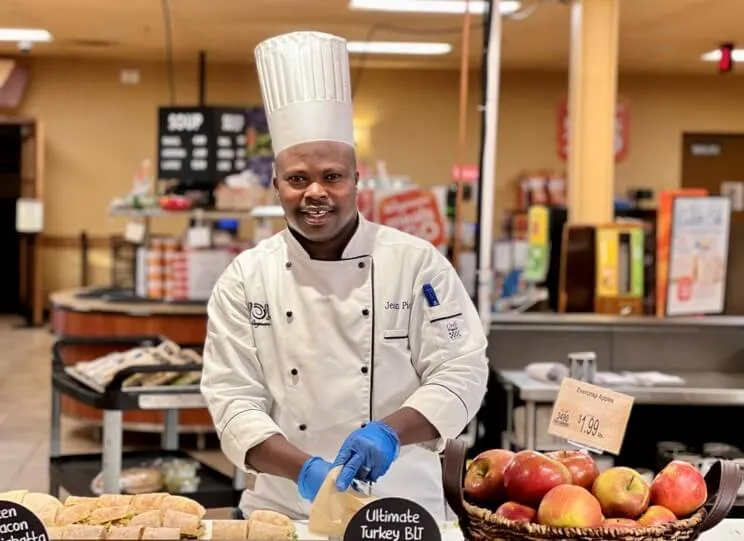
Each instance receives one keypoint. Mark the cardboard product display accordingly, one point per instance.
(664, 240)
(698, 256)
(602, 269)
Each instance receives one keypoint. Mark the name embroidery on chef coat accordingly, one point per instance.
(258, 314)
(397, 305)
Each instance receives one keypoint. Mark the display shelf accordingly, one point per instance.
(75, 473)
(67, 470)
(116, 397)
(264, 211)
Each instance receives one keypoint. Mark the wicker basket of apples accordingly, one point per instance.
(502, 495)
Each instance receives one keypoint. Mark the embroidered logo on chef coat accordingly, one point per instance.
(454, 333)
(258, 314)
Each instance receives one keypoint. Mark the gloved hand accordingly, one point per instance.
(313, 473)
(366, 454)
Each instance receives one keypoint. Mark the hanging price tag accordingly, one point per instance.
(590, 416)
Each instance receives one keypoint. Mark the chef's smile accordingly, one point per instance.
(316, 217)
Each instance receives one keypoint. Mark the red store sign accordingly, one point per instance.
(622, 130)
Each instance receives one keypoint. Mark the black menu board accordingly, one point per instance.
(204, 144)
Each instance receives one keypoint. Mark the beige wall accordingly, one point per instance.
(98, 130)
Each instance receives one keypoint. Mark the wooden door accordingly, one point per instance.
(708, 160)
(32, 186)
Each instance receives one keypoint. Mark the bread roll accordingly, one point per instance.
(122, 533)
(109, 515)
(270, 517)
(162, 534)
(190, 525)
(15, 496)
(76, 500)
(229, 530)
(49, 518)
(148, 519)
(39, 503)
(183, 504)
(83, 532)
(262, 531)
(55, 533)
(147, 502)
(75, 513)
(114, 500)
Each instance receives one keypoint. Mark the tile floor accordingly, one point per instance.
(25, 413)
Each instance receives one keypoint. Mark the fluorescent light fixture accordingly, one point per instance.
(506, 7)
(398, 47)
(737, 55)
(24, 34)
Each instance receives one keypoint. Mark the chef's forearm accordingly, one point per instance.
(411, 426)
(277, 456)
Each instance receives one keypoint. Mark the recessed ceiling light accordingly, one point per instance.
(24, 34)
(402, 47)
(506, 7)
(737, 55)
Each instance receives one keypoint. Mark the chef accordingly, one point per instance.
(336, 342)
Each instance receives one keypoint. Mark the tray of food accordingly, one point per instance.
(532, 496)
(148, 368)
(153, 516)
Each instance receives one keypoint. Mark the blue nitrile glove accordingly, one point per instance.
(366, 454)
(313, 473)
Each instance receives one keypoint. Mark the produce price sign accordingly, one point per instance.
(590, 416)
(19, 524)
(393, 519)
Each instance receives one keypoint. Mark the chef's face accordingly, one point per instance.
(317, 188)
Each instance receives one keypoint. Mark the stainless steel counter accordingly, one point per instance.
(700, 389)
(687, 344)
(560, 321)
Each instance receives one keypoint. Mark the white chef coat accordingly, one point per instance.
(313, 350)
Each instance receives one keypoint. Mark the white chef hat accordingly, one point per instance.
(306, 87)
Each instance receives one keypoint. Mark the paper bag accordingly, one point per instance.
(332, 510)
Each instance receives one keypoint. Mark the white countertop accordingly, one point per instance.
(729, 530)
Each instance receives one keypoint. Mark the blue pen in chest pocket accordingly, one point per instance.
(430, 295)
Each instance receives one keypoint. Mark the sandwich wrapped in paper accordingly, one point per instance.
(332, 510)
(229, 530)
(44, 506)
(265, 525)
(132, 481)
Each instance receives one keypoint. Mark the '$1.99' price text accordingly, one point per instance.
(589, 425)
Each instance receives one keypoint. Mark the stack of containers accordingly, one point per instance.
(171, 249)
(179, 276)
(155, 269)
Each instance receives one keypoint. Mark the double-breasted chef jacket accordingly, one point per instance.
(315, 349)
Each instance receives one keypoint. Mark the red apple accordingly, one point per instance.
(622, 491)
(484, 479)
(569, 506)
(619, 523)
(530, 475)
(656, 515)
(680, 487)
(516, 512)
(582, 466)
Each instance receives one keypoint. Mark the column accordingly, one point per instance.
(592, 101)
